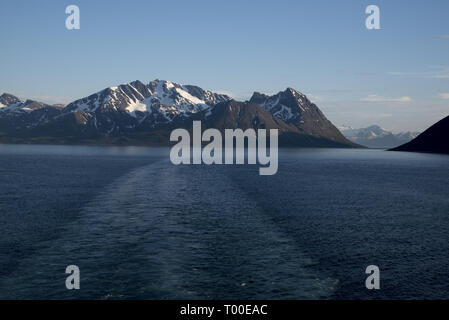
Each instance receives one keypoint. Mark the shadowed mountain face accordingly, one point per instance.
(244, 115)
(247, 115)
(296, 109)
(435, 139)
(144, 114)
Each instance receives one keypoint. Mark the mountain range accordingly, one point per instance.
(376, 137)
(144, 114)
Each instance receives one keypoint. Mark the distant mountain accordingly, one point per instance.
(141, 114)
(377, 137)
(8, 100)
(435, 139)
(17, 116)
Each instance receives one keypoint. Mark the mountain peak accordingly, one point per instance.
(291, 90)
(375, 127)
(7, 99)
(295, 108)
(258, 97)
(163, 84)
(295, 93)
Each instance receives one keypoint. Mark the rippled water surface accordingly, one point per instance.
(139, 227)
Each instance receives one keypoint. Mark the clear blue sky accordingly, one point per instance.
(397, 77)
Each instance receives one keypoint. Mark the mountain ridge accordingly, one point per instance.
(376, 137)
(138, 113)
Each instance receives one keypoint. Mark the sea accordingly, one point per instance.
(139, 227)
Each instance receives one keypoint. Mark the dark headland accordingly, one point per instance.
(434, 140)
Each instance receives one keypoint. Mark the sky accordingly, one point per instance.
(396, 77)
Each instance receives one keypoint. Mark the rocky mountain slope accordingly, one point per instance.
(296, 109)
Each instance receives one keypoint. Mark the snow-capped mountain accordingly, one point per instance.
(295, 108)
(16, 114)
(139, 105)
(7, 100)
(12, 104)
(168, 98)
(287, 105)
(138, 113)
(376, 137)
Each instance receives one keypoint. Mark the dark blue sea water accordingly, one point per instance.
(139, 227)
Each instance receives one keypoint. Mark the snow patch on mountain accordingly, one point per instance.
(139, 106)
(285, 113)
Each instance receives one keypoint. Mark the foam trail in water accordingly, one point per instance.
(181, 232)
